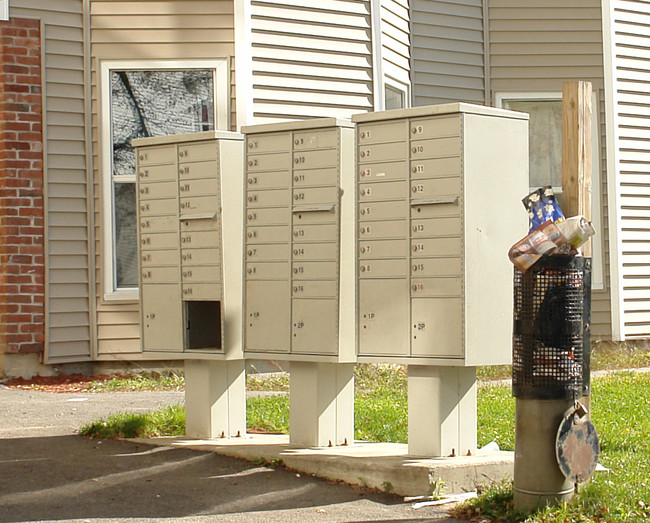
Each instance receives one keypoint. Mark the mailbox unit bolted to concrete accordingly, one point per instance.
(190, 208)
(299, 274)
(438, 207)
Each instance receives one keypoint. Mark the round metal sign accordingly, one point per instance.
(577, 448)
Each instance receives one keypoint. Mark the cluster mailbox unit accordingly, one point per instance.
(299, 273)
(189, 194)
(438, 202)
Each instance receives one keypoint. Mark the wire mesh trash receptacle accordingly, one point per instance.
(551, 338)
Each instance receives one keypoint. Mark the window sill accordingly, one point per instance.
(130, 295)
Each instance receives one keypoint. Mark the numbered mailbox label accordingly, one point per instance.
(446, 226)
(268, 162)
(435, 147)
(436, 287)
(270, 198)
(196, 171)
(158, 224)
(314, 326)
(376, 172)
(315, 140)
(435, 247)
(314, 159)
(203, 187)
(158, 207)
(151, 258)
(268, 234)
(156, 155)
(316, 195)
(382, 152)
(279, 252)
(157, 173)
(200, 240)
(154, 241)
(382, 191)
(369, 133)
(314, 289)
(315, 177)
(437, 327)
(201, 274)
(191, 257)
(437, 127)
(426, 267)
(383, 210)
(270, 216)
(197, 152)
(316, 251)
(312, 233)
(151, 191)
(383, 268)
(436, 167)
(431, 188)
(268, 180)
(383, 230)
(267, 271)
(316, 270)
(383, 249)
(272, 142)
(198, 205)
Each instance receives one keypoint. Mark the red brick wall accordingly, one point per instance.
(22, 263)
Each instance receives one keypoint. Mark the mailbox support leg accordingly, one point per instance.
(441, 410)
(322, 404)
(215, 398)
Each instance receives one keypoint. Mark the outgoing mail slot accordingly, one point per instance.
(150, 191)
(315, 159)
(316, 270)
(315, 140)
(268, 162)
(435, 267)
(436, 287)
(315, 177)
(435, 209)
(383, 249)
(316, 251)
(156, 155)
(315, 195)
(383, 268)
(383, 229)
(270, 234)
(267, 318)
(435, 247)
(202, 187)
(272, 198)
(383, 171)
(382, 152)
(202, 224)
(158, 224)
(159, 274)
(191, 257)
(437, 327)
(197, 152)
(314, 289)
(311, 233)
(201, 274)
(436, 167)
(384, 323)
(435, 147)
(313, 217)
(382, 191)
(157, 173)
(435, 187)
(200, 239)
(381, 132)
(383, 210)
(163, 240)
(159, 258)
(267, 271)
(201, 291)
(158, 207)
(271, 252)
(268, 180)
(436, 227)
(439, 127)
(314, 326)
(264, 143)
(268, 216)
(197, 170)
(199, 205)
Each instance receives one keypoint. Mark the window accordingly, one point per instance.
(140, 100)
(545, 165)
(395, 94)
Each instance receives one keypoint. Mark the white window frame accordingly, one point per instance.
(401, 86)
(221, 101)
(4, 9)
(597, 270)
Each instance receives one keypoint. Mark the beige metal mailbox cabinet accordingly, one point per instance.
(190, 207)
(299, 304)
(439, 205)
(299, 269)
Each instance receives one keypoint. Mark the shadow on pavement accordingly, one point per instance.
(70, 477)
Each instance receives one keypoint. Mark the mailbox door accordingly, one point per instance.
(162, 326)
(268, 316)
(315, 326)
(436, 327)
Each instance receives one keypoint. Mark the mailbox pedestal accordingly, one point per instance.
(441, 410)
(215, 398)
(322, 401)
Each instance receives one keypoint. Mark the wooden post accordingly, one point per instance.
(576, 151)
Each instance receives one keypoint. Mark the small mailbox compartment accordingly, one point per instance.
(202, 325)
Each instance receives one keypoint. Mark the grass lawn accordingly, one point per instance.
(620, 411)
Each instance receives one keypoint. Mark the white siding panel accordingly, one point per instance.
(67, 206)
(448, 35)
(316, 56)
(396, 42)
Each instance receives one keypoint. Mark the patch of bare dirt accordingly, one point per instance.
(65, 383)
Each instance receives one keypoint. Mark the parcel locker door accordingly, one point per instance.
(384, 317)
(436, 327)
(162, 321)
(268, 316)
(315, 326)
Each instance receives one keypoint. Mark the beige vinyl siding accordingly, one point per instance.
(535, 46)
(68, 297)
(147, 30)
(631, 41)
(310, 59)
(396, 40)
(448, 51)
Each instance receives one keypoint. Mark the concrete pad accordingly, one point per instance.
(384, 466)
